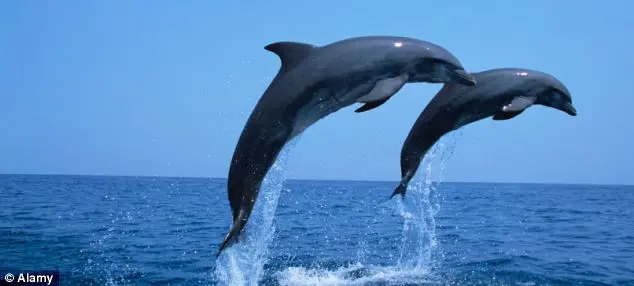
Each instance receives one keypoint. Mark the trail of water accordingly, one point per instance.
(420, 207)
(243, 263)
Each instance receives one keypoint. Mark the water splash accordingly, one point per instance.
(420, 207)
(354, 274)
(243, 263)
(415, 263)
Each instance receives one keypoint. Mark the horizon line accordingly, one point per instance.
(309, 179)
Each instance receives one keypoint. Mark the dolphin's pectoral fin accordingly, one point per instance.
(519, 103)
(384, 89)
(371, 105)
(507, 115)
(515, 108)
(290, 53)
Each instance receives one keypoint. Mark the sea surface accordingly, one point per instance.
(166, 231)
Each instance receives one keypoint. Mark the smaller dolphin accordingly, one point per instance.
(502, 93)
(316, 81)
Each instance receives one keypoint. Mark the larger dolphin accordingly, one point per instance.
(501, 94)
(314, 82)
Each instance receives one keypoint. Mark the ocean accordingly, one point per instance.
(166, 231)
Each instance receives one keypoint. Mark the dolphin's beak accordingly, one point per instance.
(568, 108)
(463, 77)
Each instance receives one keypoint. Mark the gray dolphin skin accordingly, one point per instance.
(501, 93)
(314, 82)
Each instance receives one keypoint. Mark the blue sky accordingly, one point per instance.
(165, 87)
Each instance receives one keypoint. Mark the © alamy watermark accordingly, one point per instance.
(30, 278)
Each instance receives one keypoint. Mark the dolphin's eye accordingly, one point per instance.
(556, 96)
(424, 66)
(430, 65)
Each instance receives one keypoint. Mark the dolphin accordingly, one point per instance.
(314, 82)
(502, 94)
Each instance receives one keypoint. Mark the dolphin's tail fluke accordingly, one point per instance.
(234, 233)
(400, 189)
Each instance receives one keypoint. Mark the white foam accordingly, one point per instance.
(300, 276)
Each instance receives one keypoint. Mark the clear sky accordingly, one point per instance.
(165, 87)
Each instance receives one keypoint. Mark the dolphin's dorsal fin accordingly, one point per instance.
(290, 53)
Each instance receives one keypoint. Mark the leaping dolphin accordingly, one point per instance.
(501, 93)
(314, 82)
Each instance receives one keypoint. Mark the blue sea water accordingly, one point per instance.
(165, 231)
